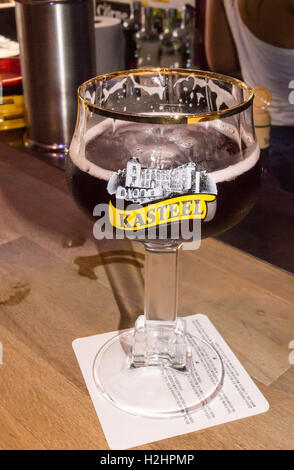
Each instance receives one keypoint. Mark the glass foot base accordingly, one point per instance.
(158, 343)
(157, 391)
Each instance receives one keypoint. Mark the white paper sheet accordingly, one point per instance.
(239, 397)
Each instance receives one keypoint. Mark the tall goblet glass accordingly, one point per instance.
(163, 157)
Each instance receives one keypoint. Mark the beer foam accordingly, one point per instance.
(77, 152)
(151, 90)
(78, 157)
(233, 171)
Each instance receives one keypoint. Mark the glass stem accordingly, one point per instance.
(159, 336)
(161, 283)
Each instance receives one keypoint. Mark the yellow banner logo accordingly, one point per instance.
(192, 206)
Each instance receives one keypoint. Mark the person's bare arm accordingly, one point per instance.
(219, 44)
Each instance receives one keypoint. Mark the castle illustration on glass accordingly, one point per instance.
(142, 185)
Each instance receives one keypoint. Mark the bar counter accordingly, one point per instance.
(58, 284)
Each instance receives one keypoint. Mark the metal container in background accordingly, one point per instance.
(57, 54)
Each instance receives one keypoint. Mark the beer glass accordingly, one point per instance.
(164, 157)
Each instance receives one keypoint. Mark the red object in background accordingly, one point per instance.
(10, 73)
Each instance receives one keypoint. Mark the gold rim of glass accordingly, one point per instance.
(184, 118)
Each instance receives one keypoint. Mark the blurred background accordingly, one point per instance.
(48, 48)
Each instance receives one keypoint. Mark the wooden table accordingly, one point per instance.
(51, 293)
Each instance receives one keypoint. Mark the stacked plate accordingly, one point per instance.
(8, 48)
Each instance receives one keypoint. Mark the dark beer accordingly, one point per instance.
(110, 145)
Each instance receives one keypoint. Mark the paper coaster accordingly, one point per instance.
(239, 397)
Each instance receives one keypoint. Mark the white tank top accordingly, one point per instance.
(263, 64)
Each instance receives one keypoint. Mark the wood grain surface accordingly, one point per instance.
(57, 284)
